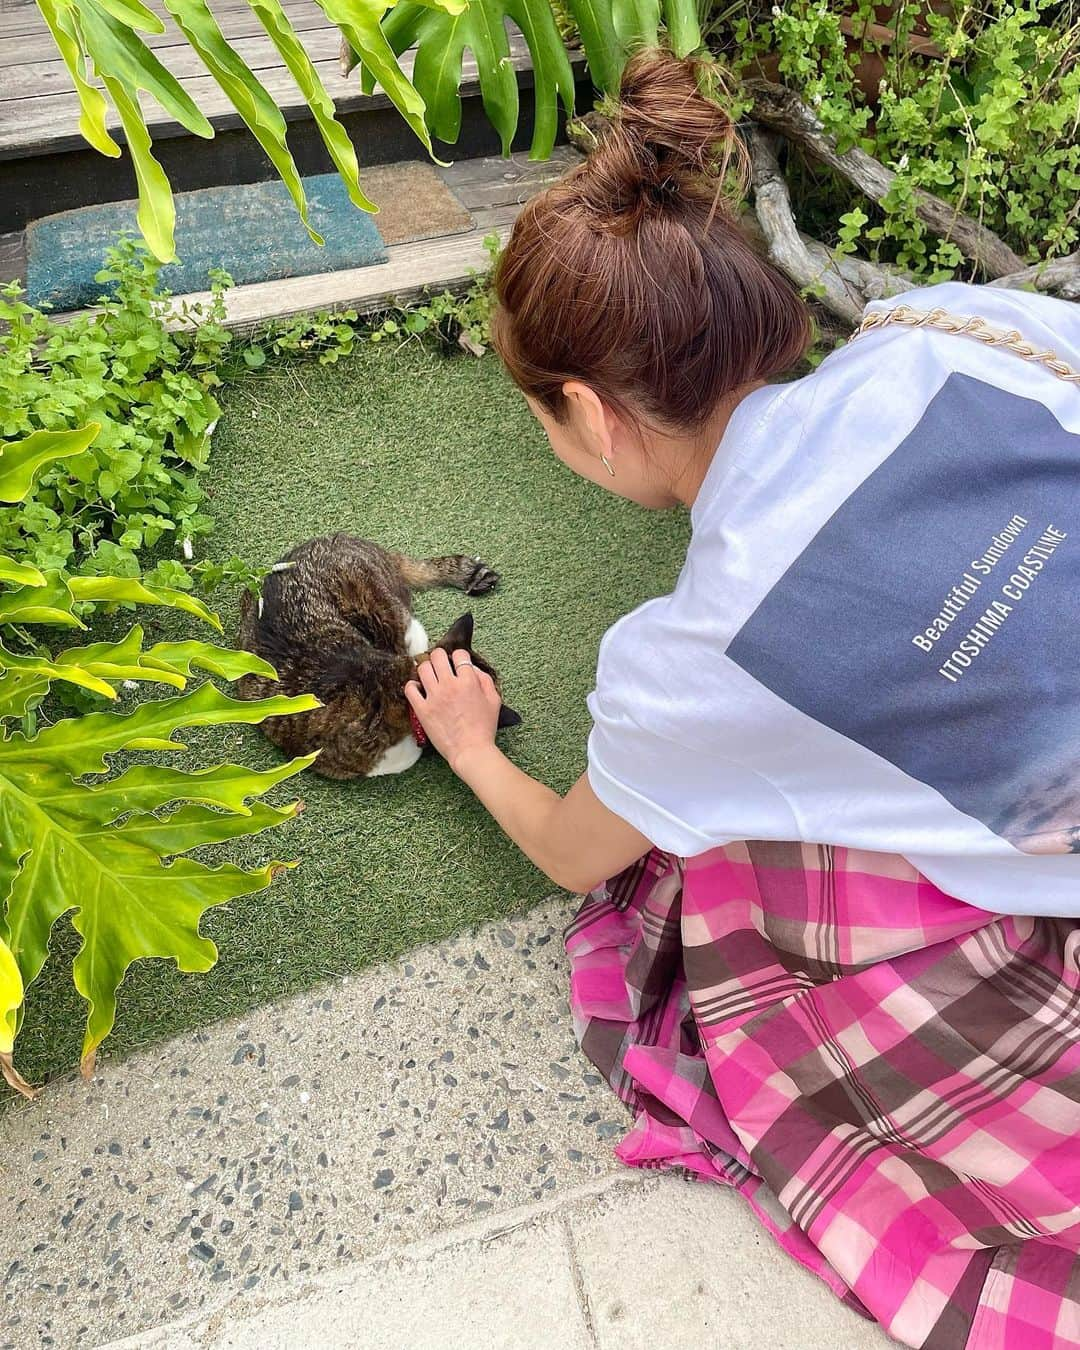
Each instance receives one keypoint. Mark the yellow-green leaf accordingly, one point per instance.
(20, 574)
(59, 855)
(119, 54)
(250, 99)
(11, 997)
(441, 39)
(93, 107)
(336, 139)
(135, 14)
(359, 23)
(21, 461)
(133, 591)
(157, 211)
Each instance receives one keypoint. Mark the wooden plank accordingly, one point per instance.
(12, 257)
(49, 124)
(37, 45)
(489, 182)
(39, 79)
(412, 269)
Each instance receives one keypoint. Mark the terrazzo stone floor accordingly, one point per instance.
(368, 1113)
(415, 1156)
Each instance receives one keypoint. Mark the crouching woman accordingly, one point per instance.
(834, 777)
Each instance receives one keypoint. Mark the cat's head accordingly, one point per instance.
(459, 638)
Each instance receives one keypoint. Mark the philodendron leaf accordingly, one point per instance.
(11, 997)
(21, 461)
(683, 26)
(261, 114)
(200, 826)
(58, 854)
(20, 574)
(334, 136)
(81, 744)
(23, 677)
(156, 215)
(134, 591)
(223, 661)
(359, 24)
(149, 787)
(126, 64)
(93, 106)
(48, 603)
(636, 21)
(101, 666)
(121, 55)
(135, 14)
(603, 50)
(441, 39)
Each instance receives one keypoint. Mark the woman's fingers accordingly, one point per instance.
(441, 664)
(415, 695)
(487, 686)
(463, 665)
(427, 677)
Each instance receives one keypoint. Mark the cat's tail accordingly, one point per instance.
(457, 570)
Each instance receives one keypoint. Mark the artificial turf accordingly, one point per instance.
(429, 455)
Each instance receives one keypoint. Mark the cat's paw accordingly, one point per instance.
(481, 578)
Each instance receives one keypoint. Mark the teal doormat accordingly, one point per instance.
(251, 230)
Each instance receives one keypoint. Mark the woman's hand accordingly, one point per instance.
(457, 705)
(576, 840)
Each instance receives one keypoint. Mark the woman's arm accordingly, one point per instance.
(575, 839)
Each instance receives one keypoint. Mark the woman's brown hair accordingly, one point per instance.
(631, 273)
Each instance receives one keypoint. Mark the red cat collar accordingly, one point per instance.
(418, 731)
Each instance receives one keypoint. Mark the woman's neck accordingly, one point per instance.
(687, 460)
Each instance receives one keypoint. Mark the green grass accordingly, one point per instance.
(429, 455)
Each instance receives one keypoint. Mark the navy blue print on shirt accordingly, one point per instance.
(933, 618)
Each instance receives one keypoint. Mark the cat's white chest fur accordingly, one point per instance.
(416, 640)
(398, 758)
(405, 754)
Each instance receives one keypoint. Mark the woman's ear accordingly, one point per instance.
(597, 422)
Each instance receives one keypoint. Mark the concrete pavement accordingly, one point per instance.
(412, 1156)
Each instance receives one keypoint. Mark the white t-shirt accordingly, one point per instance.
(874, 641)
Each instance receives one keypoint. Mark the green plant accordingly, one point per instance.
(79, 840)
(450, 320)
(148, 387)
(987, 119)
(104, 36)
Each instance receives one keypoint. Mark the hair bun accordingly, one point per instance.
(667, 144)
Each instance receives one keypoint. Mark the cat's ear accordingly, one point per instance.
(508, 718)
(459, 635)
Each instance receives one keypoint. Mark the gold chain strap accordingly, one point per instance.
(975, 328)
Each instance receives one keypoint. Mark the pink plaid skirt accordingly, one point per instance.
(890, 1077)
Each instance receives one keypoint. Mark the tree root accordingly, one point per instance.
(781, 110)
(786, 248)
(1060, 277)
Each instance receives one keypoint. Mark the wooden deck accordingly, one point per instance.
(39, 110)
(45, 166)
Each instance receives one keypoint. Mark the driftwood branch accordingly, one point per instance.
(786, 248)
(1060, 277)
(781, 110)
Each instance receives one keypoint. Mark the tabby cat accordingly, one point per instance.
(335, 619)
